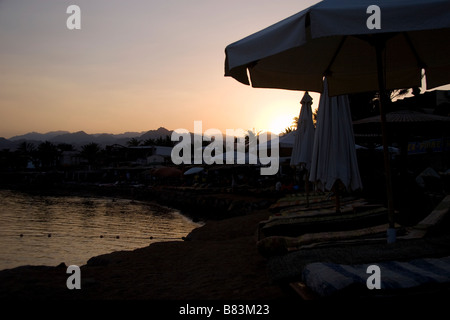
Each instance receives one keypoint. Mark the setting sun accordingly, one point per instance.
(277, 110)
(280, 123)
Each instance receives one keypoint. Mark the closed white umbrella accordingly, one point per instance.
(334, 153)
(304, 139)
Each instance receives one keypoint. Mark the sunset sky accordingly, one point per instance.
(134, 66)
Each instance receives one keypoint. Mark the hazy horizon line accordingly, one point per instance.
(121, 133)
(76, 131)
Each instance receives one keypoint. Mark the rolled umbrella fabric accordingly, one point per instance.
(304, 139)
(334, 153)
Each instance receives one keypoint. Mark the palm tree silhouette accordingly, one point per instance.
(91, 152)
(134, 142)
(26, 152)
(48, 154)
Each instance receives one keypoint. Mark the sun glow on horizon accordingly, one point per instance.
(279, 123)
(278, 113)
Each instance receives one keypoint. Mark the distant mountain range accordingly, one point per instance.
(81, 138)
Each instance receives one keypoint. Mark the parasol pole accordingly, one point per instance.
(379, 48)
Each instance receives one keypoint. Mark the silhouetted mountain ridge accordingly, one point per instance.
(80, 138)
(38, 136)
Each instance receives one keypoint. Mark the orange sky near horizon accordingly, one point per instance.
(135, 66)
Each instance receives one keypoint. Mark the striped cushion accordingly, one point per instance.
(326, 279)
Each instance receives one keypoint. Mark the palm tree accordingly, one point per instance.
(91, 153)
(160, 141)
(314, 115)
(48, 154)
(134, 142)
(294, 123)
(26, 148)
(251, 136)
(292, 127)
(25, 152)
(148, 142)
(287, 130)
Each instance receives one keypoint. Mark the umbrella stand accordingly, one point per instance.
(379, 47)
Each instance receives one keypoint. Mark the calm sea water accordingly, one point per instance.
(43, 230)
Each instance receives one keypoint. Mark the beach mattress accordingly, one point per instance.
(326, 279)
(296, 226)
(276, 245)
(299, 200)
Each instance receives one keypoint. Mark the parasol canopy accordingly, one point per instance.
(332, 39)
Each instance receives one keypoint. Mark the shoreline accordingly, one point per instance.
(217, 261)
(195, 203)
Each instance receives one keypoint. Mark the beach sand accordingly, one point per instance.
(219, 261)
